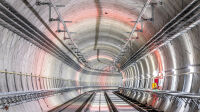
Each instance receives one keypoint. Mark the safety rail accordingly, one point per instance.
(45, 81)
(14, 98)
(172, 95)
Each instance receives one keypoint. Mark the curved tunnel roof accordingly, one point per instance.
(74, 46)
(96, 26)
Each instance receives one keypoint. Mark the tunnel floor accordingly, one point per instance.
(101, 101)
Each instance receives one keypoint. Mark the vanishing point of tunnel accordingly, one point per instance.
(99, 55)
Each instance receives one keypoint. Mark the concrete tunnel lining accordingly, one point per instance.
(27, 66)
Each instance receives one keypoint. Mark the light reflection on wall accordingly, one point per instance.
(189, 47)
(174, 77)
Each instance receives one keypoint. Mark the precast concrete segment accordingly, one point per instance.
(120, 5)
(184, 21)
(175, 65)
(30, 30)
(34, 35)
(135, 26)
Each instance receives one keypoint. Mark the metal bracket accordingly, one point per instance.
(42, 3)
(65, 38)
(71, 44)
(39, 3)
(73, 48)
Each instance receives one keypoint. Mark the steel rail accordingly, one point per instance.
(111, 106)
(73, 106)
(86, 102)
(184, 21)
(88, 105)
(15, 98)
(67, 104)
(131, 103)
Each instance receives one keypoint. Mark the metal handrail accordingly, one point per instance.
(15, 98)
(179, 94)
(53, 78)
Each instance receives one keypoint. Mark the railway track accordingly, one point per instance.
(101, 101)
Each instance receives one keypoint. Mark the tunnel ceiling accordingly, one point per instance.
(100, 28)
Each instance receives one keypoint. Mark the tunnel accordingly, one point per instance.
(99, 55)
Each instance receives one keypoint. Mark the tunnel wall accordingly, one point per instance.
(25, 67)
(175, 65)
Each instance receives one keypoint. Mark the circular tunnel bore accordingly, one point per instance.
(109, 55)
